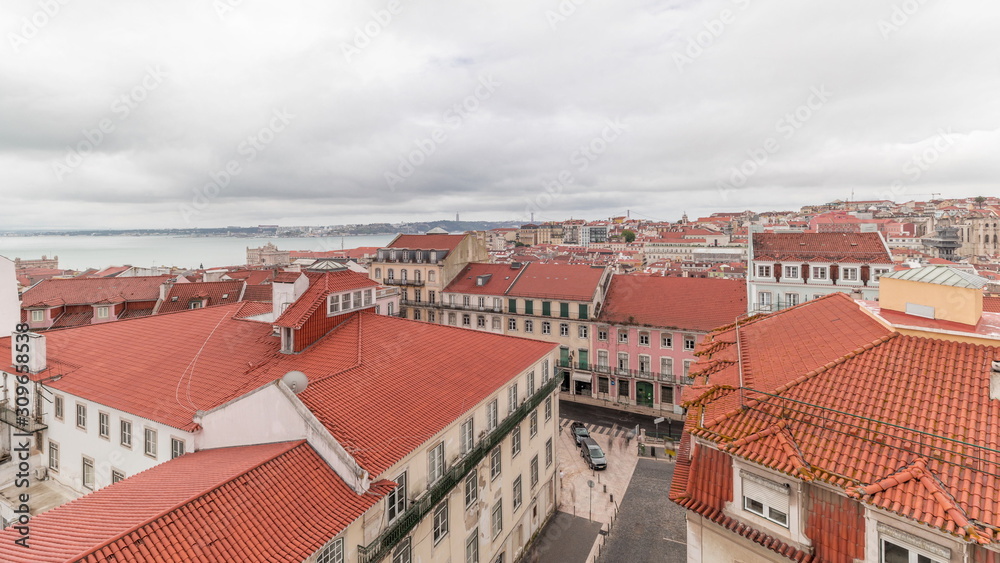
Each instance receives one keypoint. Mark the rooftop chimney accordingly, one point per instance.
(995, 380)
(35, 351)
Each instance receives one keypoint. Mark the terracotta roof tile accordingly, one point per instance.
(866, 248)
(79, 291)
(171, 512)
(314, 298)
(218, 293)
(501, 277)
(674, 302)
(571, 282)
(426, 242)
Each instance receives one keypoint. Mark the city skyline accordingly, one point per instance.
(230, 113)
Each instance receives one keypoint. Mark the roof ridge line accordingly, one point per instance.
(830, 365)
(161, 514)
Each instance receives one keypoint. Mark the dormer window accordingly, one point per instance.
(791, 271)
(196, 304)
(849, 274)
(37, 316)
(763, 271)
(343, 302)
(102, 312)
(819, 273)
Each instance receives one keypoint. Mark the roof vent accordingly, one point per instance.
(995, 380)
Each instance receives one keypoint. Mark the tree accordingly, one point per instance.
(628, 235)
(980, 200)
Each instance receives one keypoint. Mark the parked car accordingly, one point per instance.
(579, 432)
(593, 454)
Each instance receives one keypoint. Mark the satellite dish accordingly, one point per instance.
(296, 381)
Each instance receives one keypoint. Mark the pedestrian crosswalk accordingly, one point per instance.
(613, 431)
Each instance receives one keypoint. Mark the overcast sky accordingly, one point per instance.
(238, 112)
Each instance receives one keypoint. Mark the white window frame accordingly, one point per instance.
(667, 341)
(58, 407)
(496, 518)
(37, 316)
(816, 270)
(792, 272)
(395, 501)
(533, 424)
(582, 331)
(81, 416)
(471, 488)
(91, 482)
(496, 462)
(512, 399)
(472, 547)
(512, 325)
(690, 342)
(440, 527)
(548, 452)
(332, 552)
(467, 436)
(763, 271)
(643, 338)
(103, 312)
(148, 445)
(623, 337)
(125, 433)
(54, 456)
(435, 464)
(850, 274)
(177, 447)
(104, 425)
(492, 415)
(546, 327)
(516, 490)
(564, 330)
(766, 498)
(515, 441)
(666, 365)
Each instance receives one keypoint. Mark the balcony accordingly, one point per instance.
(636, 374)
(394, 281)
(404, 524)
(476, 308)
(22, 423)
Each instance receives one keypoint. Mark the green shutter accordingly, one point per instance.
(512, 305)
(583, 358)
(564, 310)
(546, 308)
(583, 312)
(564, 357)
(529, 307)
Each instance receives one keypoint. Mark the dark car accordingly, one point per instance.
(579, 432)
(593, 454)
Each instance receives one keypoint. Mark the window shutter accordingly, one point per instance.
(769, 492)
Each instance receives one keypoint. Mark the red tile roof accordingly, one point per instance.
(904, 423)
(110, 272)
(80, 291)
(213, 505)
(866, 248)
(570, 282)
(669, 302)
(259, 293)
(252, 277)
(286, 277)
(502, 276)
(217, 293)
(314, 298)
(991, 304)
(426, 242)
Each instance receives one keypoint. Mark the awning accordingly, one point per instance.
(582, 377)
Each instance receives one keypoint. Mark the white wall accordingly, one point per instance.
(10, 303)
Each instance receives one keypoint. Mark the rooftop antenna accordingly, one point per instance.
(296, 381)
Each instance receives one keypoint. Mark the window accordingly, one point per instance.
(497, 304)
(466, 301)
(529, 307)
(512, 305)
(548, 452)
(564, 310)
(37, 316)
(623, 388)
(791, 271)
(102, 312)
(643, 339)
(764, 497)
(482, 303)
(643, 363)
(176, 448)
(54, 456)
(546, 327)
(334, 305)
(495, 463)
(395, 501)
(583, 312)
(378, 273)
(58, 406)
(533, 471)
(389, 274)
(548, 408)
(511, 398)
(622, 362)
(515, 441)
(126, 433)
(466, 319)
(623, 336)
(563, 329)
(819, 272)
(894, 551)
(431, 296)
(402, 552)
(689, 342)
(496, 323)
(529, 326)
(332, 552)
(467, 436)
(471, 488)
(430, 316)
(531, 383)
(441, 521)
(666, 341)
(491, 415)
(763, 271)
(666, 394)
(516, 492)
(81, 416)
(546, 308)
(497, 519)
(451, 319)
(602, 334)
(480, 321)
(435, 463)
(431, 276)
(602, 360)
(196, 305)
(117, 475)
(533, 423)
(149, 447)
(849, 274)
(687, 367)
(88, 473)
(545, 371)
(472, 547)
(667, 366)
(877, 272)
(512, 325)
(582, 331)
(104, 425)
(792, 299)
